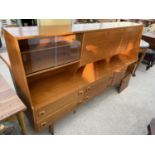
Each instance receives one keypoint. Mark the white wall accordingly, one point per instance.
(54, 22)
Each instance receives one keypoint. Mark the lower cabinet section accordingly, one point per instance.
(100, 85)
(47, 115)
(55, 116)
(94, 89)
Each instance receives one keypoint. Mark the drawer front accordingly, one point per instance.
(55, 116)
(93, 89)
(82, 94)
(99, 86)
(43, 112)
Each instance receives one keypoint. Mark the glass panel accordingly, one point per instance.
(35, 61)
(67, 49)
(43, 53)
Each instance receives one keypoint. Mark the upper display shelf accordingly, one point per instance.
(45, 31)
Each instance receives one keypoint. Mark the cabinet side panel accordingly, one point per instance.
(17, 69)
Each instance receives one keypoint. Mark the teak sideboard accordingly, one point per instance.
(55, 69)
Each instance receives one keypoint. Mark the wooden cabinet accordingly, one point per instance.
(57, 68)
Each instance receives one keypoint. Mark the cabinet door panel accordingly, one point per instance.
(118, 77)
(98, 45)
(43, 53)
(125, 82)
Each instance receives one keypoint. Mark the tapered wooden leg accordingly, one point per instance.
(51, 129)
(20, 117)
(139, 61)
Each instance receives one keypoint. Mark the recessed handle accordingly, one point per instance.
(81, 92)
(43, 124)
(80, 101)
(88, 89)
(41, 113)
(87, 97)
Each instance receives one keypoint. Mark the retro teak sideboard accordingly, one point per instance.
(57, 68)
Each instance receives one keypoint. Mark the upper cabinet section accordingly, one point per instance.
(104, 44)
(46, 47)
(43, 53)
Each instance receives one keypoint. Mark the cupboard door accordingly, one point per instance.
(124, 82)
(118, 77)
(43, 53)
(37, 61)
(99, 45)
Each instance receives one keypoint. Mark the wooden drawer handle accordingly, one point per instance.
(88, 89)
(43, 124)
(87, 97)
(81, 92)
(41, 113)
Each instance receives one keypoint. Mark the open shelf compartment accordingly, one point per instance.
(55, 86)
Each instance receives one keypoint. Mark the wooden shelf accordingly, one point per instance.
(47, 90)
(51, 68)
(51, 88)
(41, 49)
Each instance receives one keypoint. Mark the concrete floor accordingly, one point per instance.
(111, 113)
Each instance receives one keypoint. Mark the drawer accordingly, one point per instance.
(54, 116)
(94, 89)
(43, 112)
(99, 86)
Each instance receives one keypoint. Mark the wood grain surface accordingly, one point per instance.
(10, 103)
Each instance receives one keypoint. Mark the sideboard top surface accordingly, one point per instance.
(45, 31)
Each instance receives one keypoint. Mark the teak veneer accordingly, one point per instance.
(56, 69)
